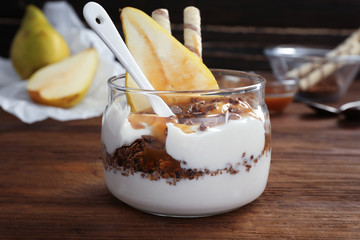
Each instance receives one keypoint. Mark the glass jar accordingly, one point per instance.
(212, 157)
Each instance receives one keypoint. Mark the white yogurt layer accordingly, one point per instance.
(217, 146)
(116, 129)
(207, 195)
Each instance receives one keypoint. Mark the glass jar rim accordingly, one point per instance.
(308, 53)
(260, 84)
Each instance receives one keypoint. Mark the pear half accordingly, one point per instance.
(65, 83)
(166, 62)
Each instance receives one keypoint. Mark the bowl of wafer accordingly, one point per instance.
(324, 75)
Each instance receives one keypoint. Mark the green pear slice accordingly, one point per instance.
(65, 83)
(166, 62)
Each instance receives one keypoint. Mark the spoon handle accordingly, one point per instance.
(98, 19)
(350, 105)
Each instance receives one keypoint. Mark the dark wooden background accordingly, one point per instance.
(234, 32)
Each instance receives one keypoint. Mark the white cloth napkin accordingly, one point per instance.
(13, 95)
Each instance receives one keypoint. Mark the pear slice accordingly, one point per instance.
(166, 62)
(65, 83)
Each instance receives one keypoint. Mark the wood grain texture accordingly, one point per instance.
(52, 186)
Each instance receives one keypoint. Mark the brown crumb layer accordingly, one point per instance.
(147, 157)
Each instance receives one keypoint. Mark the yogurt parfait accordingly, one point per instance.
(212, 156)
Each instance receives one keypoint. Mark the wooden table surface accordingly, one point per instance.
(52, 186)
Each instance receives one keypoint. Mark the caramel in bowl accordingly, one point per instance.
(279, 94)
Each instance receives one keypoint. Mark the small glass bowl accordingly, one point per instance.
(322, 77)
(279, 94)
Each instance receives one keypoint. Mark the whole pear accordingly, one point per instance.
(36, 44)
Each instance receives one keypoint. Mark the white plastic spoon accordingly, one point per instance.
(98, 19)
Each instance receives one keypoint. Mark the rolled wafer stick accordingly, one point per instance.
(192, 30)
(302, 71)
(326, 69)
(161, 16)
(316, 71)
(315, 76)
(341, 49)
(344, 46)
